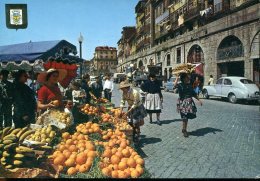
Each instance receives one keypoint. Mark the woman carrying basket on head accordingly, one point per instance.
(185, 105)
(136, 111)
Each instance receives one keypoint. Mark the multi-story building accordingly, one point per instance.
(222, 36)
(126, 45)
(105, 60)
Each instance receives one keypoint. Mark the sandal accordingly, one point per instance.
(185, 133)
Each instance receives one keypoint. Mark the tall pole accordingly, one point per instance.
(80, 56)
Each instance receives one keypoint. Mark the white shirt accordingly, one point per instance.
(211, 81)
(108, 85)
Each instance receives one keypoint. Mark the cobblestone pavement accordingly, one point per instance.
(224, 141)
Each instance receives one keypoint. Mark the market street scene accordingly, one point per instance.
(140, 89)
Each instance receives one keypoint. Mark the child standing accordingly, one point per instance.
(78, 97)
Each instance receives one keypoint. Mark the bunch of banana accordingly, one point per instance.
(9, 146)
(42, 135)
(19, 156)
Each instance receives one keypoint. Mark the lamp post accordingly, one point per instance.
(80, 39)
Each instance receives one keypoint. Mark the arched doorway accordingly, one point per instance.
(255, 56)
(230, 48)
(140, 64)
(195, 55)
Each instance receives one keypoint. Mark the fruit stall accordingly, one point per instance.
(99, 147)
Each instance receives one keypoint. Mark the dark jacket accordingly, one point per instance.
(186, 91)
(86, 87)
(152, 87)
(24, 101)
(7, 91)
(96, 89)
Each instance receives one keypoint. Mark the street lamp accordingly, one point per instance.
(80, 39)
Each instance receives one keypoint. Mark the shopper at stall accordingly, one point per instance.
(6, 99)
(97, 88)
(85, 85)
(185, 105)
(154, 98)
(49, 95)
(78, 96)
(24, 101)
(108, 88)
(136, 111)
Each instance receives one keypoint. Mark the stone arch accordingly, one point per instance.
(254, 45)
(195, 54)
(230, 47)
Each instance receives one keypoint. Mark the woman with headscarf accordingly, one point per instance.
(49, 95)
(24, 101)
(136, 111)
(154, 98)
(185, 104)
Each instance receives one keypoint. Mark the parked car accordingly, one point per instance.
(233, 88)
(169, 85)
(118, 77)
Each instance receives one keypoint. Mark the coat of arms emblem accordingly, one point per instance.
(16, 16)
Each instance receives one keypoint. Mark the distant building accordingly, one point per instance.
(105, 60)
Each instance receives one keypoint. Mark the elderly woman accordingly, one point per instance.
(154, 98)
(186, 105)
(24, 101)
(136, 111)
(49, 95)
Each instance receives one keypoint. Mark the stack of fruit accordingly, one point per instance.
(90, 110)
(12, 155)
(119, 160)
(106, 118)
(102, 100)
(117, 113)
(123, 125)
(43, 135)
(88, 128)
(61, 117)
(74, 154)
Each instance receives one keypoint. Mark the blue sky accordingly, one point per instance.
(99, 21)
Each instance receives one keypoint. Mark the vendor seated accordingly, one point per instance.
(49, 95)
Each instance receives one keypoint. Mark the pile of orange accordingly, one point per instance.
(106, 118)
(102, 100)
(74, 154)
(90, 110)
(117, 113)
(88, 128)
(119, 160)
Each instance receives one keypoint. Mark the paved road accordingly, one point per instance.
(224, 141)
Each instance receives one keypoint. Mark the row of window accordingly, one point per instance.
(168, 58)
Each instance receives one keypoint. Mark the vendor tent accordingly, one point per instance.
(29, 54)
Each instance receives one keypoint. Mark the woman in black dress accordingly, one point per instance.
(154, 98)
(24, 101)
(185, 104)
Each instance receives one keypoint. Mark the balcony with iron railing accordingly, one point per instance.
(193, 12)
(219, 10)
(230, 52)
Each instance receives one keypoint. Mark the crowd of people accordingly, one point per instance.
(21, 102)
(27, 102)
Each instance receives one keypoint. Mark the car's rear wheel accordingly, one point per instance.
(232, 98)
(205, 93)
